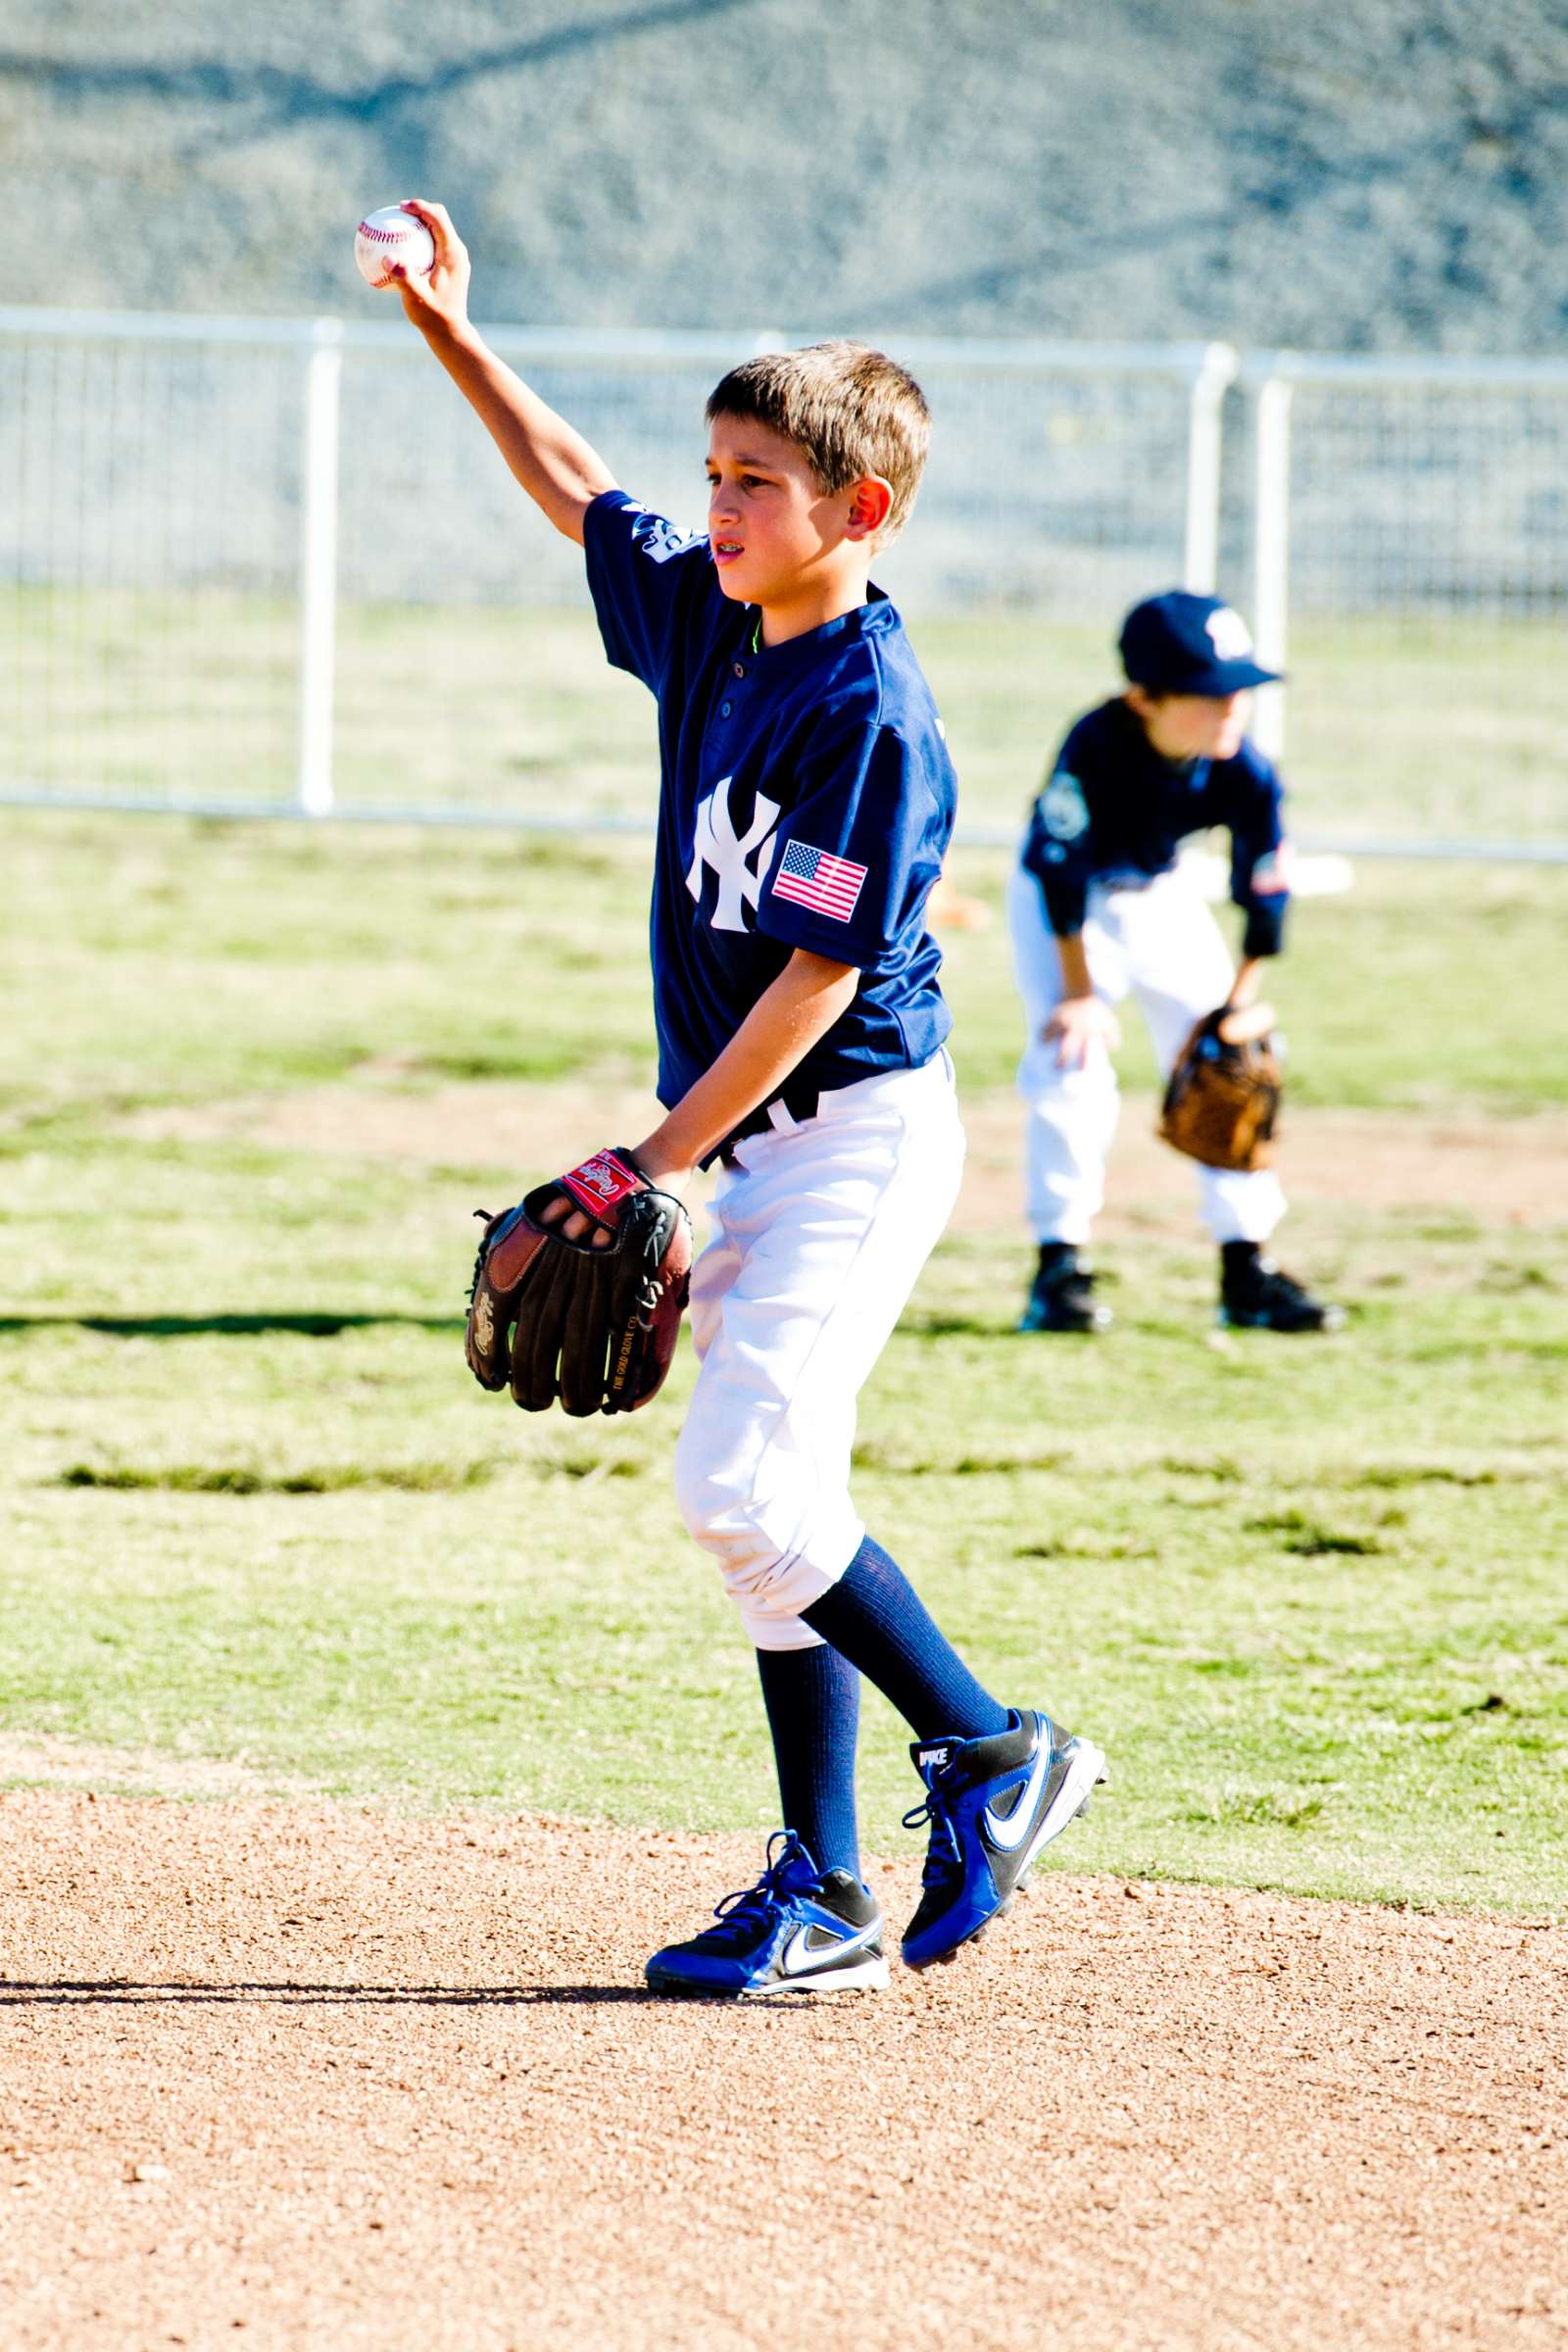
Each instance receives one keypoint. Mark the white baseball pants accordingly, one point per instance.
(819, 1232)
(1159, 943)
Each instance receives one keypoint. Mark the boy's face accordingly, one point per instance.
(771, 526)
(1191, 726)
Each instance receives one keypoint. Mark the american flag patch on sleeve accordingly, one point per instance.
(815, 878)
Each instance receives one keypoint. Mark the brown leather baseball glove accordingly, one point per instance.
(593, 1318)
(1223, 1097)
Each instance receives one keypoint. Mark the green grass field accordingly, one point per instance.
(1311, 1596)
(1396, 728)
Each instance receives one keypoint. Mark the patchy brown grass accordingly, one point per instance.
(1501, 1170)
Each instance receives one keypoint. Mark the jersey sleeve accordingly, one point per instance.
(1261, 855)
(643, 573)
(855, 856)
(1056, 845)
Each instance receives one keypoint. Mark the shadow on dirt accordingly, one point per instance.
(86, 1994)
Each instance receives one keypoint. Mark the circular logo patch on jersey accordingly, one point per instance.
(1063, 812)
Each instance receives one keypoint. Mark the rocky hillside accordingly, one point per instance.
(1367, 175)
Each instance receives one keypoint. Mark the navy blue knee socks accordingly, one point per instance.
(874, 1617)
(813, 1698)
(872, 1622)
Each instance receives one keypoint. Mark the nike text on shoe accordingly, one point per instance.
(1256, 1294)
(1061, 1296)
(798, 1930)
(992, 1805)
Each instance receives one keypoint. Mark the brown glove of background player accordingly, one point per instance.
(1223, 1096)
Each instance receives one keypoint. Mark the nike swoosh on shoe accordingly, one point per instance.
(1007, 1835)
(798, 1959)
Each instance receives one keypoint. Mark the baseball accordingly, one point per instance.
(392, 235)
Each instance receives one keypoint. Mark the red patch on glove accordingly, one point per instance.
(601, 1182)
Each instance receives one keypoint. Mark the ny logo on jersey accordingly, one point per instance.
(716, 844)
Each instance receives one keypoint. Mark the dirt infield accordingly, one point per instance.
(1507, 1169)
(302, 2076)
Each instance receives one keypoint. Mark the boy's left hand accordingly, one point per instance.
(577, 1291)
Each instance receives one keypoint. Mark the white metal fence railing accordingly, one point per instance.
(272, 564)
(1410, 569)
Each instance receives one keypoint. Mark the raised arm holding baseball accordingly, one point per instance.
(561, 472)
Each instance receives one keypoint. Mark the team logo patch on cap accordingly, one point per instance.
(1229, 634)
(815, 878)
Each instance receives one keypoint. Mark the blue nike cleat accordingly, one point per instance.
(992, 1805)
(798, 1930)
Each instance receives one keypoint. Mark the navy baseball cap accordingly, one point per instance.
(1183, 644)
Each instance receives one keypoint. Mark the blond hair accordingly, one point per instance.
(849, 409)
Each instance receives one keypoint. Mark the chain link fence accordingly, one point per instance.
(275, 564)
(1409, 526)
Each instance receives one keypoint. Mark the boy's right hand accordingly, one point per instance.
(440, 299)
(1078, 1024)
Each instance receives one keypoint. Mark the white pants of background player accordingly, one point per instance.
(819, 1232)
(1159, 942)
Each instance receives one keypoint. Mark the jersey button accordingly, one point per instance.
(723, 709)
(740, 669)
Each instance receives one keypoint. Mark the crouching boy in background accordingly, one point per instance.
(1100, 910)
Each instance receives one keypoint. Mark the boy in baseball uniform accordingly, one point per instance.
(1100, 910)
(806, 799)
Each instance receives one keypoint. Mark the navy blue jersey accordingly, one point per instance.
(807, 802)
(1114, 810)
